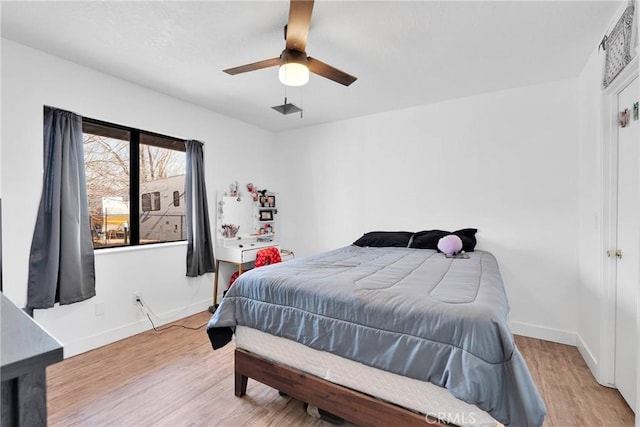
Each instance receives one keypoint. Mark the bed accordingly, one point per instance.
(399, 317)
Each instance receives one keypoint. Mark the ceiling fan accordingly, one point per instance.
(293, 61)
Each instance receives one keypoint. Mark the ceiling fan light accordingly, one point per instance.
(293, 74)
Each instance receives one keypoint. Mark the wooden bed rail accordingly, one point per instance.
(355, 407)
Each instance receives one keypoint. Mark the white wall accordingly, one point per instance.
(504, 162)
(31, 79)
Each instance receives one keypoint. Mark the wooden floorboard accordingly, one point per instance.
(174, 378)
(573, 397)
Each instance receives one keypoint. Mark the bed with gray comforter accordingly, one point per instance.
(413, 312)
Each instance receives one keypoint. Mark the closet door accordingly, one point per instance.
(628, 238)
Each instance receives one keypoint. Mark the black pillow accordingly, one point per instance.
(428, 239)
(380, 239)
(468, 237)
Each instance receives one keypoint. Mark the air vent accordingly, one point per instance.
(287, 108)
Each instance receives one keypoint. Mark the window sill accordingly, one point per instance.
(152, 246)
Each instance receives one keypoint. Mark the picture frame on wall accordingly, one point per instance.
(267, 201)
(618, 47)
(266, 215)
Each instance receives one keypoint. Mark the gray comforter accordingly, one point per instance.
(413, 312)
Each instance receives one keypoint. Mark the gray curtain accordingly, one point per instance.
(61, 264)
(200, 259)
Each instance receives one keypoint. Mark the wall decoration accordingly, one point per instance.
(267, 201)
(618, 47)
(254, 191)
(266, 215)
(233, 189)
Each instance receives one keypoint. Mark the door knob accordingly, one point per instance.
(614, 253)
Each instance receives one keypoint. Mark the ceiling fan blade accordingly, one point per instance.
(329, 72)
(298, 25)
(254, 66)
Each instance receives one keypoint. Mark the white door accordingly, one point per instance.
(628, 237)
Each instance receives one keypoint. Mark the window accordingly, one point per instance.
(151, 201)
(135, 180)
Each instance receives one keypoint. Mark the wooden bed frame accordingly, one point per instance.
(353, 406)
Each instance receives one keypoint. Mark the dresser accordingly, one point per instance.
(26, 350)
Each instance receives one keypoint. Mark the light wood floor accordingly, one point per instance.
(174, 378)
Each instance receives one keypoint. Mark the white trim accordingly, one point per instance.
(112, 335)
(135, 248)
(588, 357)
(607, 289)
(544, 333)
(637, 423)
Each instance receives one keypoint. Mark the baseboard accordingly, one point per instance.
(588, 357)
(543, 333)
(91, 342)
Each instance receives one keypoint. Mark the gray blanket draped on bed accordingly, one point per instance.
(408, 311)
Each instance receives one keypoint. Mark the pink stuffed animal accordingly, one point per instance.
(450, 245)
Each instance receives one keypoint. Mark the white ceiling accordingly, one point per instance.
(404, 53)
